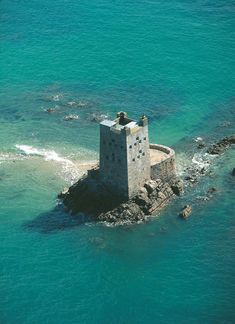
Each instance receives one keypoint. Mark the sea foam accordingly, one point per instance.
(69, 170)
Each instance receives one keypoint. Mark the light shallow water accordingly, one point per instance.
(173, 61)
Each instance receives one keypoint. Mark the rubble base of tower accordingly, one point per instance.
(90, 197)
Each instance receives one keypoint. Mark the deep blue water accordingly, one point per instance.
(172, 60)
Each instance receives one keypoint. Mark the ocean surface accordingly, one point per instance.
(175, 62)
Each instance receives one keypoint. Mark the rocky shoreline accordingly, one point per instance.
(222, 145)
(90, 197)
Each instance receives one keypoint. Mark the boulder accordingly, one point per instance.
(201, 145)
(161, 195)
(141, 199)
(186, 211)
(221, 146)
(151, 185)
(177, 187)
(63, 193)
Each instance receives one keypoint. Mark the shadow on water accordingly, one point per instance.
(54, 221)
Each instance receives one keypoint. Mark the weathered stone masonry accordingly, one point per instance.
(124, 154)
(165, 168)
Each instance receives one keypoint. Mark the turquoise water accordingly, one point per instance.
(172, 60)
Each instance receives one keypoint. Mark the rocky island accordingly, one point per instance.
(132, 180)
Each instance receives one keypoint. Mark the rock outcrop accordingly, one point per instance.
(221, 146)
(89, 196)
(185, 212)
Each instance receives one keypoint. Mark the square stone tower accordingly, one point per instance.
(124, 154)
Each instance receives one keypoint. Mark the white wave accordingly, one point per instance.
(48, 155)
(201, 160)
(69, 170)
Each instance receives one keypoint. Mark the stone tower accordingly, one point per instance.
(124, 154)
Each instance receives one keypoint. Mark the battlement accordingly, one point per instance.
(125, 125)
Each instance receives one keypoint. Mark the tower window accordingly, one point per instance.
(135, 144)
(133, 159)
(138, 156)
(145, 138)
(140, 141)
(137, 138)
(130, 146)
(143, 153)
(140, 151)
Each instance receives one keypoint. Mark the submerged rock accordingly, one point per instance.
(211, 190)
(50, 110)
(71, 117)
(221, 146)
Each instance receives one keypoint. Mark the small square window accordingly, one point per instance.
(133, 159)
(143, 153)
(130, 146)
(140, 151)
(145, 138)
(135, 144)
(137, 138)
(138, 156)
(140, 141)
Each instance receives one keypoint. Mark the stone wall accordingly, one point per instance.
(138, 159)
(166, 169)
(124, 157)
(113, 160)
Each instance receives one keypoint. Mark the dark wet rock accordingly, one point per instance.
(63, 193)
(186, 211)
(200, 142)
(233, 172)
(211, 190)
(50, 110)
(177, 187)
(91, 197)
(221, 146)
(201, 145)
